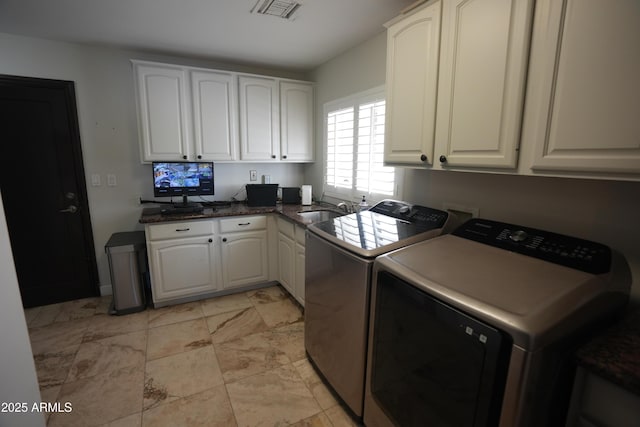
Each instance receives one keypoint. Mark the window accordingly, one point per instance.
(354, 130)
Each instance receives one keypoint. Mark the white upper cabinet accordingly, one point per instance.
(583, 111)
(412, 78)
(162, 111)
(483, 64)
(187, 113)
(456, 72)
(259, 121)
(296, 121)
(215, 106)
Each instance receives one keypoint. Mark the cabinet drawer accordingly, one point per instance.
(179, 229)
(285, 227)
(243, 223)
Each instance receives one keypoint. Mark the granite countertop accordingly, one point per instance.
(615, 354)
(153, 215)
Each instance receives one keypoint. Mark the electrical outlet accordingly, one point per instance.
(253, 175)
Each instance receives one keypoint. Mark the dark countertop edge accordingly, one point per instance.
(238, 209)
(615, 353)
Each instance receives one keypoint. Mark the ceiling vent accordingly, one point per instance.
(279, 8)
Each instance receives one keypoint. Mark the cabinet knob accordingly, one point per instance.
(273, 156)
(284, 157)
(199, 156)
(224, 239)
(210, 240)
(423, 157)
(184, 157)
(443, 159)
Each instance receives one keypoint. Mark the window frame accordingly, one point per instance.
(353, 194)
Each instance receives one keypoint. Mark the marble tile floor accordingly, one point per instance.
(236, 360)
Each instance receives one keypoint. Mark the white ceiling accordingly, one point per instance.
(213, 29)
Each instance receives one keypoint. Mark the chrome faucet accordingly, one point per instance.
(345, 207)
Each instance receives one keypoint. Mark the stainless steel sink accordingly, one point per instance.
(319, 215)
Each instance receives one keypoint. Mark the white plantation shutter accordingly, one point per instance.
(355, 147)
(340, 132)
(371, 174)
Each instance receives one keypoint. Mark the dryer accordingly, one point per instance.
(478, 328)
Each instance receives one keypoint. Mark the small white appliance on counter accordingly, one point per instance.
(478, 328)
(306, 195)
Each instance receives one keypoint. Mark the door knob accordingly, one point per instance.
(70, 209)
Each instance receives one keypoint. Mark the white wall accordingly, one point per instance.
(18, 381)
(108, 127)
(604, 211)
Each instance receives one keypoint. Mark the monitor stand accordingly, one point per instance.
(185, 207)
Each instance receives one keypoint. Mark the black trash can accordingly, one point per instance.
(127, 253)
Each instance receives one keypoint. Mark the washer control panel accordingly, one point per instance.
(584, 255)
(420, 216)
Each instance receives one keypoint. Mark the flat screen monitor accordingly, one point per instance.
(182, 179)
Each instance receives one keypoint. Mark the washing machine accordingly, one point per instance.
(339, 259)
(478, 327)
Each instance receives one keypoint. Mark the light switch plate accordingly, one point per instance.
(253, 175)
(111, 180)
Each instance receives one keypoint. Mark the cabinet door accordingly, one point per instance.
(296, 122)
(300, 271)
(584, 97)
(259, 135)
(412, 76)
(483, 60)
(214, 97)
(182, 267)
(244, 258)
(162, 112)
(286, 263)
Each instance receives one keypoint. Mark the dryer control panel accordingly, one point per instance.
(420, 216)
(584, 255)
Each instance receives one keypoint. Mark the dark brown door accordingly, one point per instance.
(43, 191)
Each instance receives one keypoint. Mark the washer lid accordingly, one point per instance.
(533, 300)
(370, 234)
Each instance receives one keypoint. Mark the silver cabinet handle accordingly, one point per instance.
(70, 209)
(182, 229)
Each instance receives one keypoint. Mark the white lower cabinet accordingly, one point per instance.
(201, 258)
(286, 263)
(182, 266)
(291, 250)
(299, 282)
(244, 254)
